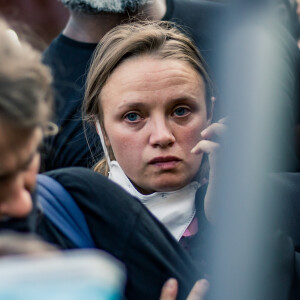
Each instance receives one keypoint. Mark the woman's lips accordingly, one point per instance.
(165, 162)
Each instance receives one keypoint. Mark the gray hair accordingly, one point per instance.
(98, 6)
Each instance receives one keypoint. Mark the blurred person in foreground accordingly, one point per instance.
(118, 223)
(69, 56)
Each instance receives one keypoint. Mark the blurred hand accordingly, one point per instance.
(198, 292)
(207, 145)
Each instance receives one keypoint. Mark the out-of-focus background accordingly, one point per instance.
(39, 20)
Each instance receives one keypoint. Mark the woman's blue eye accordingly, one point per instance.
(181, 111)
(132, 117)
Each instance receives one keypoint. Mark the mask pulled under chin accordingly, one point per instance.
(175, 210)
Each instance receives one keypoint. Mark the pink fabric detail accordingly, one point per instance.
(192, 229)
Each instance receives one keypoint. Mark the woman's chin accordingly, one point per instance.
(168, 186)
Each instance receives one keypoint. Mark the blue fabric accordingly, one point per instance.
(59, 206)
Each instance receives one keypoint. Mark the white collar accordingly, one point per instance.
(175, 210)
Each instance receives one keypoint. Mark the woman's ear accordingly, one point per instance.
(211, 112)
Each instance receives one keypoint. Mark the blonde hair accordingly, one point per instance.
(25, 83)
(158, 38)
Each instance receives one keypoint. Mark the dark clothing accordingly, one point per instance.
(69, 61)
(202, 19)
(122, 226)
(285, 200)
(283, 190)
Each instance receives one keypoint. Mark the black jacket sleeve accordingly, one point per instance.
(122, 226)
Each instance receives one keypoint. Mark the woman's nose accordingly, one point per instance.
(161, 134)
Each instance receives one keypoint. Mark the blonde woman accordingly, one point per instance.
(151, 99)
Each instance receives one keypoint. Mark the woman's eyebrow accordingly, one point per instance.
(132, 105)
(143, 105)
(188, 99)
(180, 99)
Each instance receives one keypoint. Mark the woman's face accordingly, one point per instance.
(154, 110)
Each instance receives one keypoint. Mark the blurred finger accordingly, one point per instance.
(169, 290)
(199, 290)
(223, 120)
(205, 146)
(215, 129)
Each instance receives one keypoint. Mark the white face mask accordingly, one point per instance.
(113, 6)
(175, 210)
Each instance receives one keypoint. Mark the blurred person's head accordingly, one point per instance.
(149, 90)
(25, 99)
